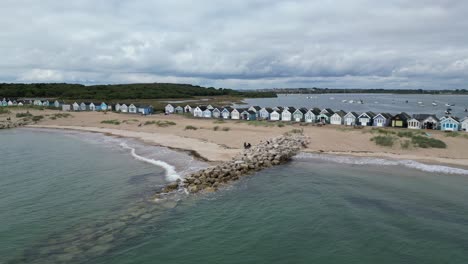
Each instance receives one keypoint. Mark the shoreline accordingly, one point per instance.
(213, 153)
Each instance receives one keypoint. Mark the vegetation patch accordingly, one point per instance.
(160, 123)
(21, 115)
(425, 142)
(280, 125)
(386, 141)
(112, 122)
(37, 118)
(219, 121)
(60, 115)
(226, 129)
(3, 110)
(190, 128)
(260, 123)
(216, 128)
(297, 131)
(452, 134)
(405, 144)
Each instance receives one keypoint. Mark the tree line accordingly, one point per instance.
(120, 91)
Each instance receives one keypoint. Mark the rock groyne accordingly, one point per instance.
(264, 155)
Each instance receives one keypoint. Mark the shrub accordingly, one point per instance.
(280, 125)
(160, 123)
(221, 121)
(112, 122)
(452, 134)
(190, 128)
(3, 110)
(382, 131)
(27, 114)
(425, 142)
(386, 141)
(37, 118)
(226, 129)
(216, 128)
(407, 134)
(297, 131)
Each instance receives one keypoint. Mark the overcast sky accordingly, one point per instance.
(237, 44)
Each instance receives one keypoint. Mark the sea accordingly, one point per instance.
(75, 197)
(388, 103)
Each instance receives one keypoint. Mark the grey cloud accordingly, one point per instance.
(243, 44)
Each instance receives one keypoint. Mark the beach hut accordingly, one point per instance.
(216, 113)
(277, 109)
(235, 114)
(117, 107)
(9, 103)
(84, 106)
(123, 108)
(45, 103)
(20, 103)
(226, 113)
(382, 120)
(311, 115)
(169, 109)
(337, 118)
(198, 111)
(75, 106)
(57, 104)
(145, 109)
(275, 115)
(179, 110)
(299, 114)
(400, 120)
(449, 123)
(66, 107)
(464, 124)
(92, 107)
(366, 118)
(37, 102)
(430, 122)
(248, 115)
(264, 113)
(207, 113)
(324, 117)
(350, 119)
(286, 115)
(103, 106)
(188, 109)
(132, 109)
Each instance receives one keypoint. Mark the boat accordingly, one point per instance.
(332, 98)
(351, 101)
(420, 102)
(344, 101)
(434, 103)
(360, 101)
(448, 105)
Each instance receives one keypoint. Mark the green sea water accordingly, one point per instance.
(59, 205)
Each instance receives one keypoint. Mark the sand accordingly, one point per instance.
(223, 145)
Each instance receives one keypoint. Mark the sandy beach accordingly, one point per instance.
(216, 142)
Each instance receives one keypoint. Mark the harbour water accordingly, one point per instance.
(83, 198)
(389, 103)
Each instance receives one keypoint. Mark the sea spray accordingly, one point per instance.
(381, 162)
(171, 174)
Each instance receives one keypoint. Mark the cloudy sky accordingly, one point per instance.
(237, 44)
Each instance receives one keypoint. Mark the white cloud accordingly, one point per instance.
(243, 44)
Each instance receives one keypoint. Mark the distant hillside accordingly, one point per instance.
(119, 91)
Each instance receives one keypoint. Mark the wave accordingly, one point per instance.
(171, 174)
(383, 162)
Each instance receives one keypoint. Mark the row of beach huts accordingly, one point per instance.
(82, 106)
(325, 116)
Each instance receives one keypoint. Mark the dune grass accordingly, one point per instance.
(190, 128)
(384, 140)
(112, 122)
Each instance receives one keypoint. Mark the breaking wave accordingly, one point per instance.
(384, 162)
(171, 174)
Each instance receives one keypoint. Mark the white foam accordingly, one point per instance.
(383, 162)
(171, 174)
